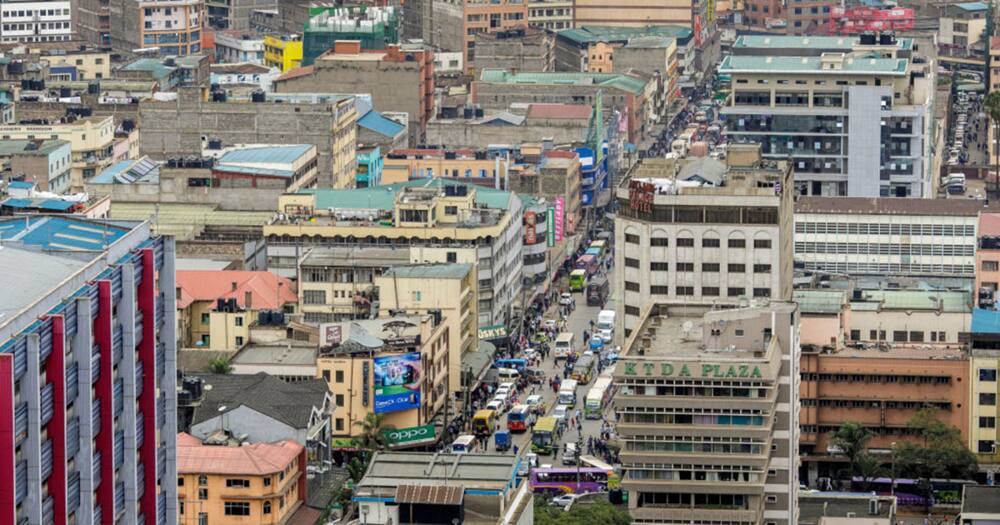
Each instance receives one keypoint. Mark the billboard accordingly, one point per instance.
(550, 227)
(560, 217)
(397, 382)
(530, 220)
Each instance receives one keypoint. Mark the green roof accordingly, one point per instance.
(950, 301)
(593, 34)
(430, 271)
(623, 82)
(384, 197)
(11, 147)
(819, 301)
(845, 43)
(152, 65)
(781, 64)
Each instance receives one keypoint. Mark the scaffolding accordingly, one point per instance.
(374, 27)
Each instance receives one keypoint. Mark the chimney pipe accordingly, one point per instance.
(248, 300)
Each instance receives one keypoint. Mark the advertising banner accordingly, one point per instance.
(530, 220)
(397, 382)
(411, 436)
(560, 217)
(550, 227)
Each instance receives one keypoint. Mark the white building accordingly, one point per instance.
(239, 46)
(35, 21)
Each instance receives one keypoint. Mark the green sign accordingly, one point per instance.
(550, 227)
(497, 331)
(343, 444)
(410, 436)
(706, 370)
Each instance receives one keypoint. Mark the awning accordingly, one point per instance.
(430, 495)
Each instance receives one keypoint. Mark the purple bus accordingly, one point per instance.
(589, 263)
(563, 480)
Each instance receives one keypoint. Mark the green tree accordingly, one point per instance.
(220, 366)
(373, 429)
(992, 105)
(852, 441)
(598, 513)
(941, 453)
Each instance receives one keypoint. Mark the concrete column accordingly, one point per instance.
(84, 402)
(168, 336)
(31, 390)
(126, 370)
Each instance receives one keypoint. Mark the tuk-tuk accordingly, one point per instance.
(502, 440)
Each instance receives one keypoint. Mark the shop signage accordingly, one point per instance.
(550, 227)
(409, 436)
(365, 382)
(640, 196)
(560, 217)
(706, 370)
(497, 331)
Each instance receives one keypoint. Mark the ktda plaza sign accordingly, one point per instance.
(704, 370)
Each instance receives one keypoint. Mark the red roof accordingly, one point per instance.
(559, 111)
(297, 72)
(989, 224)
(555, 153)
(268, 291)
(258, 459)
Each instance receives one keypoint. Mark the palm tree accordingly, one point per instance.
(852, 441)
(220, 366)
(992, 105)
(373, 429)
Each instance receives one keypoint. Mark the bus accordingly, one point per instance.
(597, 291)
(518, 418)
(571, 480)
(543, 436)
(564, 346)
(567, 392)
(598, 397)
(483, 422)
(596, 252)
(518, 364)
(577, 280)
(588, 263)
(583, 369)
(601, 245)
(464, 444)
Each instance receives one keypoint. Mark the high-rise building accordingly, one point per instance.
(702, 231)
(174, 27)
(39, 21)
(707, 414)
(87, 368)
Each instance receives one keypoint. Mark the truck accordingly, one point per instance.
(502, 440)
(606, 325)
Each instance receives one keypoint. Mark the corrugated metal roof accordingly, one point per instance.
(973, 6)
(266, 154)
(777, 64)
(592, 34)
(825, 302)
(253, 170)
(376, 122)
(61, 233)
(440, 495)
(623, 82)
(946, 301)
(384, 197)
(430, 271)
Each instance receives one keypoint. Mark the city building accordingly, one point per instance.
(407, 359)
(962, 27)
(707, 414)
(328, 122)
(703, 231)
(846, 508)
(370, 165)
(337, 283)
(483, 168)
(489, 17)
(826, 112)
(980, 505)
(283, 51)
(563, 123)
(374, 26)
(553, 175)
(244, 78)
(987, 260)
(46, 163)
(519, 49)
(81, 63)
(552, 15)
(287, 166)
(427, 487)
(984, 390)
(994, 69)
(91, 141)
(902, 237)
(87, 372)
(216, 308)
(447, 289)
(809, 17)
(24, 199)
(576, 48)
(696, 15)
(238, 45)
(448, 62)
(234, 483)
(126, 25)
(232, 14)
(289, 360)
(439, 221)
(39, 21)
(400, 78)
(168, 72)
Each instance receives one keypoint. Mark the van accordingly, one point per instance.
(567, 392)
(569, 454)
(464, 444)
(564, 345)
(606, 325)
(507, 375)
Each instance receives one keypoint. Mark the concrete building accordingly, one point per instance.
(563, 123)
(168, 72)
(238, 45)
(846, 508)
(994, 63)
(242, 79)
(125, 25)
(407, 357)
(374, 26)
(520, 49)
(437, 23)
(449, 290)
(962, 29)
(370, 164)
(91, 141)
(233, 14)
(216, 308)
(489, 17)
(337, 283)
(552, 175)
(233, 483)
(980, 505)
(574, 48)
(482, 168)
(40, 21)
(82, 63)
(984, 390)
(826, 112)
(707, 414)
(87, 372)
(399, 78)
(441, 222)
(46, 163)
(283, 51)
(177, 128)
(902, 237)
(988, 260)
(696, 15)
(678, 238)
(551, 15)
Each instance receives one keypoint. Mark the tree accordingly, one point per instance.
(941, 452)
(852, 441)
(597, 513)
(373, 429)
(220, 366)
(992, 105)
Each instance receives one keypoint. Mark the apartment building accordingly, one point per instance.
(988, 260)
(239, 46)
(551, 15)
(576, 48)
(45, 21)
(405, 358)
(680, 239)
(984, 390)
(91, 141)
(994, 58)
(87, 373)
(449, 290)
(962, 27)
(233, 14)
(481, 16)
(520, 49)
(855, 122)
(337, 283)
(697, 15)
(372, 25)
(707, 414)
(46, 163)
(283, 51)
(902, 237)
(172, 28)
(439, 221)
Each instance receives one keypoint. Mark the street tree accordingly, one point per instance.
(598, 513)
(992, 105)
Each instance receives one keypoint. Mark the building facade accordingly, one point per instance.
(91, 140)
(338, 283)
(283, 51)
(235, 46)
(48, 21)
(87, 373)
(46, 163)
(988, 260)
(553, 15)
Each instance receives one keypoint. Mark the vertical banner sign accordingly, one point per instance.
(364, 383)
(530, 219)
(560, 217)
(550, 227)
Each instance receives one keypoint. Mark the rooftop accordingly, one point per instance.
(366, 335)
(981, 502)
(282, 353)
(472, 471)
(593, 34)
(794, 65)
(973, 6)
(36, 274)
(820, 302)
(267, 154)
(842, 43)
(649, 42)
(384, 197)
(933, 351)
(356, 256)
(989, 224)
(430, 271)
(623, 82)
(142, 171)
(61, 233)
(257, 459)
(268, 291)
(53, 205)
(945, 301)
(678, 330)
(559, 111)
(289, 403)
(894, 206)
(30, 147)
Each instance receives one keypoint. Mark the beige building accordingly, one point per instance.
(337, 283)
(703, 231)
(553, 15)
(90, 64)
(91, 140)
(397, 366)
(446, 290)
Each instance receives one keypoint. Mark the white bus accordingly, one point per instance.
(598, 397)
(564, 345)
(567, 392)
(464, 444)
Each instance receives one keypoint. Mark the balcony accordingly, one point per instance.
(702, 514)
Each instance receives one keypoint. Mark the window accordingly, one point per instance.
(685, 290)
(239, 341)
(855, 335)
(685, 267)
(659, 290)
(237, 508)
(267, 481)
(631, 238)
(734, 292)
(762, 292)
(916, 337)
(631, 263)
(990, 266)
(326, 376)
(762, 243)
(631, 310)
(987, 374)
(202, 480)
(737, 243)
(762, 268)
(987, 446)
(987, 422)
(710, 291)
(202, 494)
(772, 498)
(710, 243)
(180, 507)
(239, 320)
(267, 507)
(710, 267)
(339, 424)
(737, 268)
(659, 241)
(899, 336)
(988, 399)
(205, 318)
(339, 376)
(451, 210)
(659, 267)
(631, 287)
(202, 518)
(688, 243)
(314, 297)
(238, 483)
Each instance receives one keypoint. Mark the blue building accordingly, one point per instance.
(369, 168)
(593, 177)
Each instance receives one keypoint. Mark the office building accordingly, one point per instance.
(87, 373)
(563, 123)
(375, 27)
(40, 21)
(553, 15)
(439, 221)
(46, 163)
(984, 390)
(696, 15)
(962, 27)
(902, 237)
(575, 47)
(238, 46)
(988, 260)
(91, 141)
(856, 122)
(233, 14)
(703, 231)
(707, 414)
(126, 25)
(337, 283)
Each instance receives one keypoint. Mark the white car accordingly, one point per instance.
(495, 405)
(564, 500)
(533, 400)
(559, 414)
(506, 386)
(566, 299)
(550, 324)
(501, 392)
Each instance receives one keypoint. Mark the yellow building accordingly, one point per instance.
(283, 51)
(91, 139)
(216, 308)
(401, 165)
(397, 366)
(446, 288)
(261, 483)
(337, 283)
(983, 436)
(90, 64)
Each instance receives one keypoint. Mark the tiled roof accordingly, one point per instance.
(257, 459)
(266, 288)
(559, 111)
(296, 73)
(289, 403)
